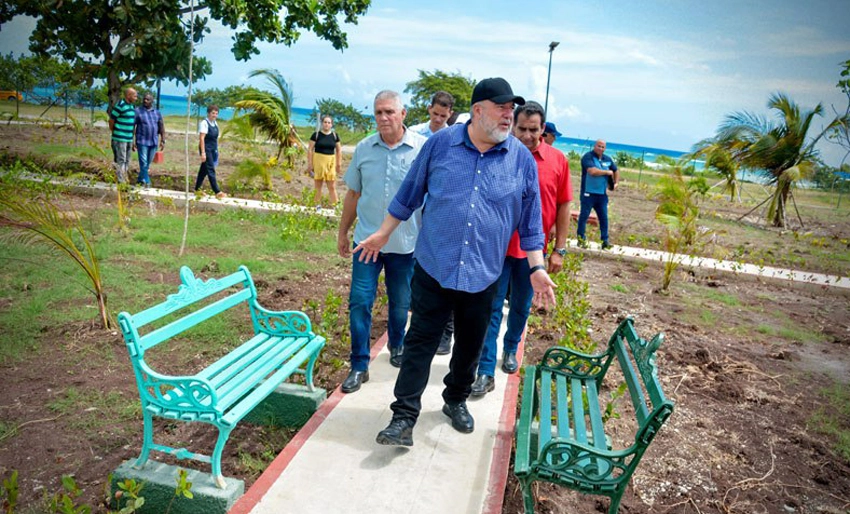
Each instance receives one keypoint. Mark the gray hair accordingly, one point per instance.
(387, 94)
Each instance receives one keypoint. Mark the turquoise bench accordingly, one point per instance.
(224, 392)
(560, 434)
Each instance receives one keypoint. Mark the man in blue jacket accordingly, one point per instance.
(599, 173)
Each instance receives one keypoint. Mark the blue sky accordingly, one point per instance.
(658, 73)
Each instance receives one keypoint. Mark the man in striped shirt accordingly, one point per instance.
(122, 119)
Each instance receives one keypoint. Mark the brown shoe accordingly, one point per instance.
(221, 195)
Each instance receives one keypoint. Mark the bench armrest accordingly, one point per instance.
(178, 394)
(593, 465)
(282, 323)
(576, 364)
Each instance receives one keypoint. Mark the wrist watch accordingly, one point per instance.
(561, 251)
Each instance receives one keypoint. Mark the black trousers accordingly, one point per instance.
(431, 305)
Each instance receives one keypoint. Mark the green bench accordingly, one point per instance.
(560, 434)
(282, 343)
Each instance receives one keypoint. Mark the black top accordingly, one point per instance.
(325, 143)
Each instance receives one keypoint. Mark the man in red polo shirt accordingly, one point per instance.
(556, 193)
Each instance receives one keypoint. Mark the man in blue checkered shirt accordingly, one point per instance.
(149, 136)
(482, 186)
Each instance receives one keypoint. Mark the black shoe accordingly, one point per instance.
(395, 356)
(398, 433)
(353, 380)
(509, 363)
(606, 245)
(483, 385)
(445, 347)
(461, 418)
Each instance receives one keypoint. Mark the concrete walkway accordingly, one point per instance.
(334, 464)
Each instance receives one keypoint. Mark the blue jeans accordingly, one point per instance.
(515, 273)
(598, 203)
(398, 270)
(146, 154)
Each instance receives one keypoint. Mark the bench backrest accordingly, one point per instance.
(192, 290)
(651, 406)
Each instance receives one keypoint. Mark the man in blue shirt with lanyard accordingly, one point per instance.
(599, 173)
(482, 185)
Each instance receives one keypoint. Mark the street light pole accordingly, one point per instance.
(552, 47)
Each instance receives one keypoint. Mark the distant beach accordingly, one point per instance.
(171, 105)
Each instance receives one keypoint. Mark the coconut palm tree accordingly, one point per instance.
(783, 151)
(721, 160)
(272, 111)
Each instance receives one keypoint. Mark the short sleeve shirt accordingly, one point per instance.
(325, 143)
(376, 172)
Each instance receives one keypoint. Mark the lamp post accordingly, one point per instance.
(552, 47)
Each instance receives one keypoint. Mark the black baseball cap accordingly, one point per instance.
(497, 90)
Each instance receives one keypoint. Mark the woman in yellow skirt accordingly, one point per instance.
(324, 158)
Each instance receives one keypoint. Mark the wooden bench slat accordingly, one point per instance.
(187, 295)
(175, 327)
(595, 414)
(635, 390)
(578, 411)
(561, 405)
(544, 430)
(269, 385)
(258, 343)
(526, 418)
(240, 383)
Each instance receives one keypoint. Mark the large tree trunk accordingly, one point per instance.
(114, 88)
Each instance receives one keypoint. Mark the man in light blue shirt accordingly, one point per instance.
(439, 113)
(482, 185)
(378, 167)
(599, 173)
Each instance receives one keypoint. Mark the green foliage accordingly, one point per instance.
(334, 323)
(575, 159)
(782, 151)
(137, 42)
(570, 318)
(65, 502)
(428, 83)
(9, 493)
(679, 213)
(38, 220)
(719, 159)
(610, 408)
(665, 160)
(272, 112)
(833, 418)
(223, 98)
(345, 115)
(626, 160)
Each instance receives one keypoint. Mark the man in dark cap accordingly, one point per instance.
(550, 132)
(482, 186)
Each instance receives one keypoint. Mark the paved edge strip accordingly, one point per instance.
(501, 463)
(258, 490)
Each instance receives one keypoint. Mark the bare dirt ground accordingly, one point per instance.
(753, 366)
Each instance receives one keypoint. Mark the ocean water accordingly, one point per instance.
(173, 105)
(176, 105)
(648, 154)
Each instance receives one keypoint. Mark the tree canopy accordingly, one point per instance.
(343, 114)
(137, 42)
(428, 83)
